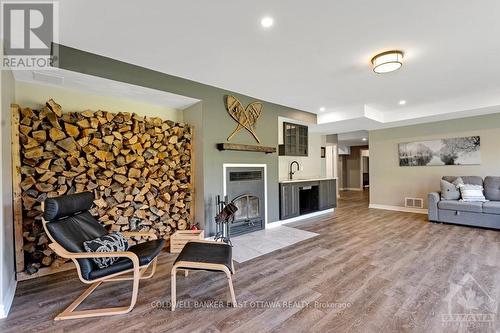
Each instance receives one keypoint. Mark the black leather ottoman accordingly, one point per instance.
(207, 256)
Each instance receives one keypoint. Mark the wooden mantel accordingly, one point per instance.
(238, 147)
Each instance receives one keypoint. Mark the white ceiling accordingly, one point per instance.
(316, 54)
(103, 87)
(353, 138)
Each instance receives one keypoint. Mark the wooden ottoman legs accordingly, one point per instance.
(185, 265)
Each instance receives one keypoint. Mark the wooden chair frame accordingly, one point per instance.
(185, 265)
(138, 273)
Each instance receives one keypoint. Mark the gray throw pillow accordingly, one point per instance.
(457, 182)
(450, 191)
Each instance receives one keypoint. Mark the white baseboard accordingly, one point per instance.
(352, 189)
(293, 219)
(299, 218)
(7, 300)
(399, 208)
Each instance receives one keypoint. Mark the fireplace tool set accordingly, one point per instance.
(225, 216)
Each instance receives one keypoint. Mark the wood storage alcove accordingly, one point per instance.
(139, 168)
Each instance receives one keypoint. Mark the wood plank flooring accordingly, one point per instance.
(368, 271)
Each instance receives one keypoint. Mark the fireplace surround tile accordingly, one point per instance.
(256, 244)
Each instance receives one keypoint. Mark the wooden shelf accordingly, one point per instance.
(238, 147)
(22, 276)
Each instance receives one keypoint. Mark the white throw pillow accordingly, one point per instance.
(472, 193)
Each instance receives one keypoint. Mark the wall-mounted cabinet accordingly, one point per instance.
(295, 140)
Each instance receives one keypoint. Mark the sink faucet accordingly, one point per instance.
(291, 172)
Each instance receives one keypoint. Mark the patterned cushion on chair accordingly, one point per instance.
(112, 242)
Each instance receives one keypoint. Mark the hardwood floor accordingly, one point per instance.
(368, 271)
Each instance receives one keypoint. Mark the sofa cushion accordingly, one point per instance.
(450, 191)
(491, 207)
(476, 207)
(472, 193)
(492, 188)
(473, 180)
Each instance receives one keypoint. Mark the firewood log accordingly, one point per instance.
(139, 169)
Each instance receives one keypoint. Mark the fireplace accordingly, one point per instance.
(245, 187)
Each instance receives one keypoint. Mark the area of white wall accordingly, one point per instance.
(7, 266)
(311, 166)
(33, 95)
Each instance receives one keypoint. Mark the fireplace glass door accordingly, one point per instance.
(248, 208)
(245, 188)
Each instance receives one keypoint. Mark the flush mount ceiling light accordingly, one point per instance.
(386, 62)
(364, 139)
(402, 102)
(267, 22)
(322, 109)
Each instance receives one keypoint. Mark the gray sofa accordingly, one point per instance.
(478, 214)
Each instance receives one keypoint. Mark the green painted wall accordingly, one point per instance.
(216, 123)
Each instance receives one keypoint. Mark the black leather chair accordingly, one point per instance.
(68, 223)
(204, 255)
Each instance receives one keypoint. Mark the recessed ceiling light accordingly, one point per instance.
(267, 22)
(321, 109)
(402, 102)
(386, 62)
(364, 139)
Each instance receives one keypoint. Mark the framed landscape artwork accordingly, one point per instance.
(451, 151)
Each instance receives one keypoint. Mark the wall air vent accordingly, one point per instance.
(48, 77)
(414, 202)
(235, 176)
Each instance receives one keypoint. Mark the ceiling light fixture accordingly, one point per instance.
(322, 109)
(402, 102)
(386, 62)
(267, 22)
(364, 139)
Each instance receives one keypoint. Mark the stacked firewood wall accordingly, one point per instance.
(139, 169)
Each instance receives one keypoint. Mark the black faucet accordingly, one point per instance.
(290, 174)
